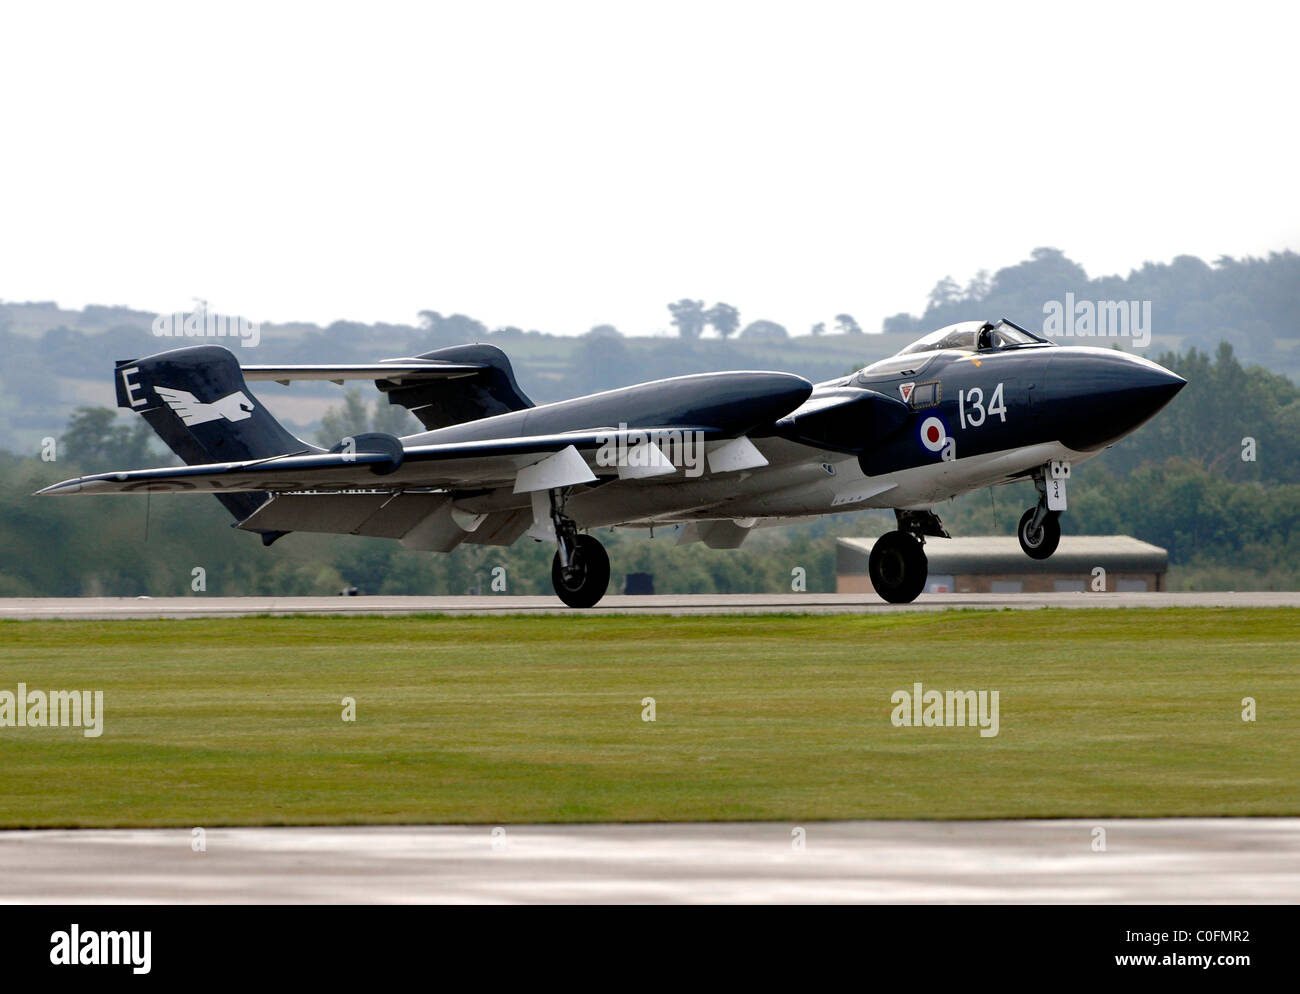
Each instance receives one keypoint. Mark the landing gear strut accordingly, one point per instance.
(580, 569)
(898, 566)
(1039, 530)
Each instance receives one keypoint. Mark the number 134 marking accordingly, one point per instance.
(971, 410)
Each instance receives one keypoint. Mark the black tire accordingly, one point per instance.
(588, 581)
(1042, 544)
(898, 567)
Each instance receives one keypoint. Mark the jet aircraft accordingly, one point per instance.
(973, 405)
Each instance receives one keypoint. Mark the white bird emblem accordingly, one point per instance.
(235, 407)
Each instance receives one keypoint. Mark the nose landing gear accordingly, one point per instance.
(1039, 530)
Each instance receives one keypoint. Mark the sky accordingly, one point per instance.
(561, 164)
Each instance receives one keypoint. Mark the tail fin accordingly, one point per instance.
(198, 403)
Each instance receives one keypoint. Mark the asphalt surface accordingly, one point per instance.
(1145, 861)
(667, 604)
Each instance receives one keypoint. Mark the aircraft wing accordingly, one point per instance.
(381, 462)
(397, 370)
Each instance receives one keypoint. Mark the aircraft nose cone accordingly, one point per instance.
(1148, 383)
(1167, 383)
(1102, 395)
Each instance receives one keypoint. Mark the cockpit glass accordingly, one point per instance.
(969, 336)
(972, 337)
(945, 338)
(1004, 334)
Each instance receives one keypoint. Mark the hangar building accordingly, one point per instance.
(995, 564)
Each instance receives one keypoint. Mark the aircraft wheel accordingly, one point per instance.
(585, 581)
(1042, 543)
(898, 567)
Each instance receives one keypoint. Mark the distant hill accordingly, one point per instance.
(1254, 304)
(57, 359)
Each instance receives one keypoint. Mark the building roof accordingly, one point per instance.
(1002, 554)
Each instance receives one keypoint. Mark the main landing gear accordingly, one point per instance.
(897, 565)
(580, 569)
(1039, 530)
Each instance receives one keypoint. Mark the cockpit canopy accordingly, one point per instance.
(974, 336)
(968, 336)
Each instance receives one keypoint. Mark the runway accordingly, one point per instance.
(1215, 860)
(109, 608)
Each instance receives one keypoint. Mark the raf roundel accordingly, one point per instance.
(933, 434)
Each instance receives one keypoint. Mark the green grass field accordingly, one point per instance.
(226, 722)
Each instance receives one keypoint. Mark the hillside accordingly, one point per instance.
(57, 359)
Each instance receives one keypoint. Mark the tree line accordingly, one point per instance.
(1215, 479)
(56, 358)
